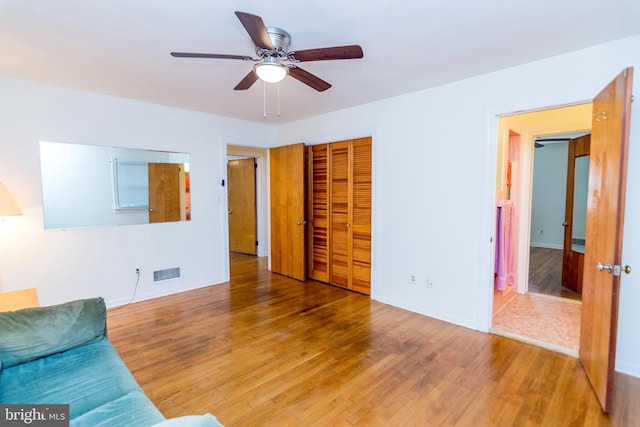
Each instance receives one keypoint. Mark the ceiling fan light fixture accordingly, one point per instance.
(270, 70)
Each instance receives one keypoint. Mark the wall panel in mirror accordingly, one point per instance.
(92, 186)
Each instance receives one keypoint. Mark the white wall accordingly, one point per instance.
(434, 182)
(65, 265)
(549, 195)
(434, 175)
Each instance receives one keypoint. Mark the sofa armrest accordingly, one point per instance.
(32, 333)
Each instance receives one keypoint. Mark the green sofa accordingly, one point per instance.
(61, 355)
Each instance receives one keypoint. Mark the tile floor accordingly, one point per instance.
(548, 321)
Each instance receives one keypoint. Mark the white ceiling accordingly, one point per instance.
(121, 47)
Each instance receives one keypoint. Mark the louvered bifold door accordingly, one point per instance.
(318, 191)
(350, 214)
(361, 216)
(339, 195)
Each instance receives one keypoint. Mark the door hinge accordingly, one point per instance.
(256, 243)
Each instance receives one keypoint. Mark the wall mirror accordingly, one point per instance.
(580, 194)
(93, 186)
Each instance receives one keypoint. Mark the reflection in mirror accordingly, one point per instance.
(92, 185)
(580, 190)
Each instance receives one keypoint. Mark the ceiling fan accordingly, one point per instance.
(275, 61)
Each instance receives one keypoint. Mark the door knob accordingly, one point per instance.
(615, 269)
(150, 209)
(618, 269)
(565, 224)
(607, 267)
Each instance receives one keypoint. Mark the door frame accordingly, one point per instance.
(489, 199)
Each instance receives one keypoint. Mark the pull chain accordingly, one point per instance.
(264, 99)
(278, 114)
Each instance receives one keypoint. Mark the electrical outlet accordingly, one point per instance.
(137, 271)
(429, 283)
(412, 279)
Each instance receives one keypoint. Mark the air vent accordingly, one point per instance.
(166, 274)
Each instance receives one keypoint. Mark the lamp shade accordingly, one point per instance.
(7, 205)
(270, 71)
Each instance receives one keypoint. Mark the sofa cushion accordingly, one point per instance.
(92, 379)
(31, 333)
(132, 409)
(206, 420)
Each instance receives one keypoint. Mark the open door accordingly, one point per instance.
(164, 192)
(287, 190)
(241, 179)
(575, 213)
(603, 246)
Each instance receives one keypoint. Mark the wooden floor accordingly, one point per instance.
(545, 273)
(265, 350)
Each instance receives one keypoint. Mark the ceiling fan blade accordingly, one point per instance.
(309, 79)
(210, 55)
(247, 82)
(328, 53)
(256, 29)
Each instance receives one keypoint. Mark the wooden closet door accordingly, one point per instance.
(318, 193)
(361, 216)
(339, 196)
(350, 214)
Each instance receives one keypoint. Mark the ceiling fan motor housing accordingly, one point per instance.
(280, 39)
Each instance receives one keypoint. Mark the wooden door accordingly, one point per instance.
(318, 226)
(573, 252)
(339, 220)
(350, 214)
(361, 216)
(605, 217)
(287, 190)
(164, 192)
(241, 187)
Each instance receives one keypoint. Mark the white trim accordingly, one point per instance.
(545, 245)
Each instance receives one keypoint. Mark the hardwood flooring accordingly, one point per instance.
(265, 350)
(545, 273)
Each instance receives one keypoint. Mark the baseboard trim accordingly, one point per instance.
(545, 245)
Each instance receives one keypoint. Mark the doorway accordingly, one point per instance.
(260, 159)
(241, 184)
(529, 303)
